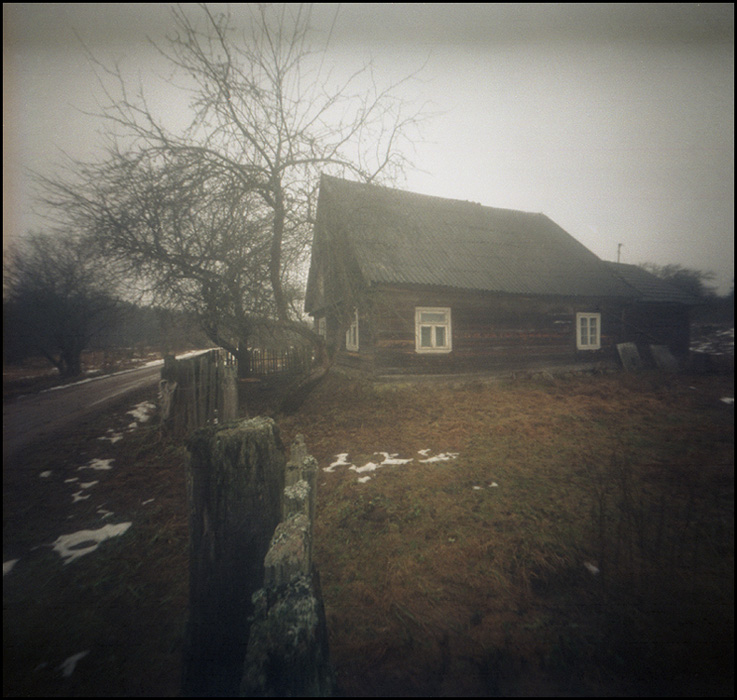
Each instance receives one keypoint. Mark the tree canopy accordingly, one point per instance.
(695, 282)
(57, 300)
(215, 218)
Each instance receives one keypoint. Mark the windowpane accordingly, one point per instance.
(592, 331)
(584, 331)
(426, 336)
(432, 317)
(439, 336)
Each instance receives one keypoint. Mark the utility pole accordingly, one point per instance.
(619, 248)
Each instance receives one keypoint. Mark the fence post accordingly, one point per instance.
(287, 653)
(235, 480)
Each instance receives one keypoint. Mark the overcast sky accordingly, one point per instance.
(615, 120)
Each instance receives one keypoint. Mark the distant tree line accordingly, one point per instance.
(60, 300)
(713, 308)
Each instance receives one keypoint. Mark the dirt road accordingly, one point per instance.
(37, 417)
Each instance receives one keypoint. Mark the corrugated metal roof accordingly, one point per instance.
(401, 237)
(650, 288)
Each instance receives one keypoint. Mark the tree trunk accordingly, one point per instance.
(244, 360)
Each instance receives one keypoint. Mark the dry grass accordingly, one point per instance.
(431, 587)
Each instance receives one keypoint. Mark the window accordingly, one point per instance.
(432, 330)
(322, 327)
(588, 331)
(351, 335)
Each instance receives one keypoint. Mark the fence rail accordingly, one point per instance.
(264, 361)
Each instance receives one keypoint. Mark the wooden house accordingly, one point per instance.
(408, 283)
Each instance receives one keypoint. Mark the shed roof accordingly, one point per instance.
(651, 289)
(404, 238)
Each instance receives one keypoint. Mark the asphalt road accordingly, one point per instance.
(37, 417)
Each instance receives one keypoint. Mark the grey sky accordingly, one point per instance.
(616, 120)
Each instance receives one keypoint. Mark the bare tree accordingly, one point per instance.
(217, 217)
(694, 282)
(57, 300)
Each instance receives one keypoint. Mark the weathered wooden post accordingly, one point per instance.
(235, 480)
(288, 653)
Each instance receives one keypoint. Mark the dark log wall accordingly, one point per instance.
(658, 324)
(490, 332)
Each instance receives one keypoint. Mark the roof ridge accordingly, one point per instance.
(411, 193)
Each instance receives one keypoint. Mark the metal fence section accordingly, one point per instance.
(266, 361)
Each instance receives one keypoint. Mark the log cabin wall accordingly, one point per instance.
(489, 332)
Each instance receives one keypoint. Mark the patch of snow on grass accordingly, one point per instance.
(44, 475)
(340, 462)
(69, 547)
(113, 437)
(142, 411)
(368, 467)
(388, 460)
(68, 665)
(727, 399)
(98, 465)
(364, 479)
(77, 496)
(442, 457)
(8, 565)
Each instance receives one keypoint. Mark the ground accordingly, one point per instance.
(567, 535)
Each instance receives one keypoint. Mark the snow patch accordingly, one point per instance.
(44, 475)
(442, 457)
(78, 496)
(113, 437)
(68, 665)
(8, 565)
(340, 462)
(142, 411)
(69, 547)
(368, 467)
(98, 465)
(728, 400)
(388, 459)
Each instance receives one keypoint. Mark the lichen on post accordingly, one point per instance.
(235, 481)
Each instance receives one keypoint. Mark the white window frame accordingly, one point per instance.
(351, 335)
(434, 346)
(587, 341)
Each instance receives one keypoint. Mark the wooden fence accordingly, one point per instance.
(256, 624)
(203, 389)
(198, 390)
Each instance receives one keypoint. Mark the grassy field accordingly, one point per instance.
(562, 536)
